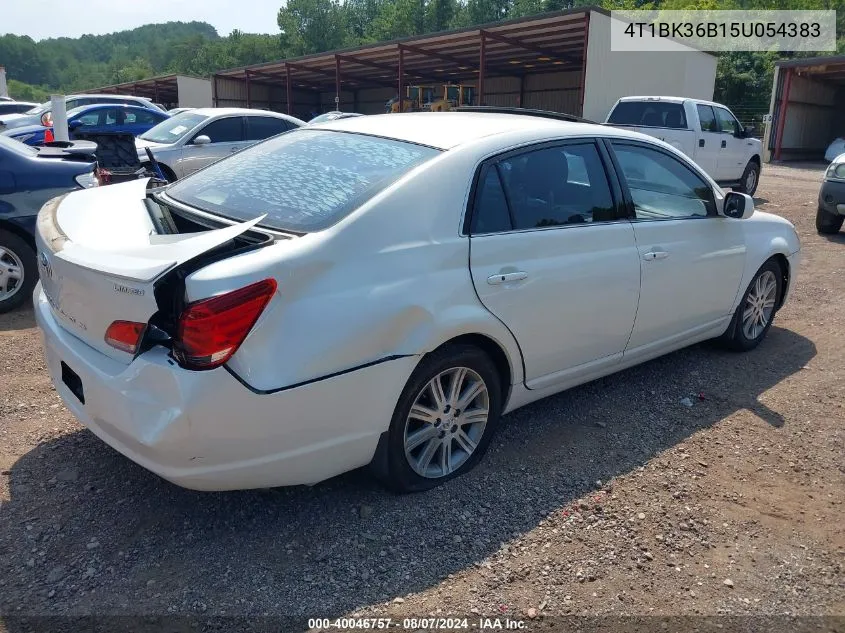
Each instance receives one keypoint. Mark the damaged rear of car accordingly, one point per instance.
(179, 324)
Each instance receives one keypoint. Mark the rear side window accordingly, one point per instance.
(304, 181)
(260, 127)
(551, 186)
(707, 118)
(649, 114)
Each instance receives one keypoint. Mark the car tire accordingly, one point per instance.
(15, 253)
(754, 315)
(828, 223)
(400, 461)
(750, 178)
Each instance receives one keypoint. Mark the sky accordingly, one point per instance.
(63, 18)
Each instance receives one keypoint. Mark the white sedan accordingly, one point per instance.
(381, 290)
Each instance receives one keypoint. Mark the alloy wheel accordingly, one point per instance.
(759, 305)
(446, 422)
(11, 273)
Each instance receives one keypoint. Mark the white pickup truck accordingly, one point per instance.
(707, 132)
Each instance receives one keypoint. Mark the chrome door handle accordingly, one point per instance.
(652, 255)
(503, 278)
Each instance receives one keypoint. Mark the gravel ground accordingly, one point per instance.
(613, 498)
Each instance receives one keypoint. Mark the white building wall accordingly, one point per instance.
(193, 92)
(614, 74)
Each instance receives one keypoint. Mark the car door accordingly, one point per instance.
(139, 120)
(732, 156)
(708, 148)
(227, 136)
(551, 257)
(691, 259)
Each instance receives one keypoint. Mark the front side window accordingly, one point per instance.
(227, 130)
(553, 186)
(304, 181)
(661, 186)
(727, 122)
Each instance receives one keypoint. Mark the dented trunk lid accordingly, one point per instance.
(100, 256)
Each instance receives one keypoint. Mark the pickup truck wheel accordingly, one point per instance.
(750, 178)
(18, 271)
(828, 222)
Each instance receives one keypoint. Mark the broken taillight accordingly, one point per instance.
(125, 335)
(211, 330)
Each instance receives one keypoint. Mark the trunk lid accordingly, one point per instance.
(100, 255)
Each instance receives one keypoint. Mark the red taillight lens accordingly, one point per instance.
(125, 335)
(211, 330)
(48, 136)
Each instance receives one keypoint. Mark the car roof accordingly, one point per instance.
(237, 111)
(446, 130)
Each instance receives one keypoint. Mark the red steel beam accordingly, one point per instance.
(401, 79)
(337, 82)
(481, 68)
(784, 104)
(287, 86)
(427, 53)
(530, 47)
(248, 94)
(584, 63)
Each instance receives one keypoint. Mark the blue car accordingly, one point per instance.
(93, 119)
(28, 178)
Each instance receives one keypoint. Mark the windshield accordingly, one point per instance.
(7, 142)
(172, 129)
(304, 180)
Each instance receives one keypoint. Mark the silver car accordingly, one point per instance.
(191, 140)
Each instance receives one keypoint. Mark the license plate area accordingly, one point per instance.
(73, 382)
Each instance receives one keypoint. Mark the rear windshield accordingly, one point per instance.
(649, 114)
(304, 180)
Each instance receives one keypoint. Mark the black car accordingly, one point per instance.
(831, 210)
(29, 177)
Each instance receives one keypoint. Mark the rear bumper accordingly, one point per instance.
(832, 197)
(206, 431)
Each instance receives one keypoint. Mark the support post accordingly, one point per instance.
(287, 87)
(155, 92)
(584, 64)
(214, 90)
(401, 65)
(481, 68)
(784, 105)
(248, 92)
(337, 82)
(521, 103)
(59, 113)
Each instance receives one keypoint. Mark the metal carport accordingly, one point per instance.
(557, 61)
(807, 107)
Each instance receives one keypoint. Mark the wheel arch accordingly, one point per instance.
(19, 231)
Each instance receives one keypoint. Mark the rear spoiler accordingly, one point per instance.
(80, 150)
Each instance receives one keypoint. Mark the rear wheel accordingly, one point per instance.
(750, 178)
(756, 311)
(443, 422)
(18, 271)
(828, 222)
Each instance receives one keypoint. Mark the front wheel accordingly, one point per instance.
(828, 223)
(756, 311)
(750, 178)
(18, 271)
(444, 420)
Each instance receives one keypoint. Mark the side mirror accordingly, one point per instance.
(72, 125)
(202, 139)
(737, 205)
